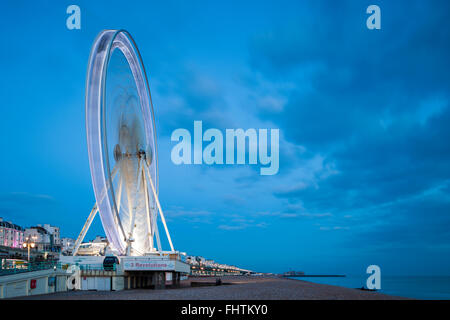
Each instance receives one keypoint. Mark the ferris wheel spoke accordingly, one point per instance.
(129, 202)
(118, 205)
(108, 184)
(119, 194)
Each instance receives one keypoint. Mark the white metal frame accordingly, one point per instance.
(143, 173)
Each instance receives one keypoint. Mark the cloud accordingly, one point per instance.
(240, 223)
(335, 228)
(180, 212)
(24, 208)
(231, 227)
(372, 109)
(21, 204)
(25, 198)
(288, 213)
(183, 96)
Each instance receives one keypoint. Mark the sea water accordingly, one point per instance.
(417, 287)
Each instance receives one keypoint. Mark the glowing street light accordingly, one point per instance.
(29, 243)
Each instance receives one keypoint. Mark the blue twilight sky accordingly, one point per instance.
(363, 116)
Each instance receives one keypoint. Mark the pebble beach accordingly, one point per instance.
(232, 288)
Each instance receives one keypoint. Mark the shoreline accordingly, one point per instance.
(232, 288)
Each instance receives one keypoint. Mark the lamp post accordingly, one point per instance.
(29, 243)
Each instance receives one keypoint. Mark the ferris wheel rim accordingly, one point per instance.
(104, 45)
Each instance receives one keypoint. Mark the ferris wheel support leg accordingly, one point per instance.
(147, 208)
(91, 217)
(114, 174)
(130, 212)
(158, 241)
(85, 229)
(159, 207)
(133, 214)
(154, 219)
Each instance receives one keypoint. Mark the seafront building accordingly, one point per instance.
(11, 235)
(54, 232)
(44, 241)
(46, 238)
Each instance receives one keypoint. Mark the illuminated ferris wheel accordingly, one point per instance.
(122, 146)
